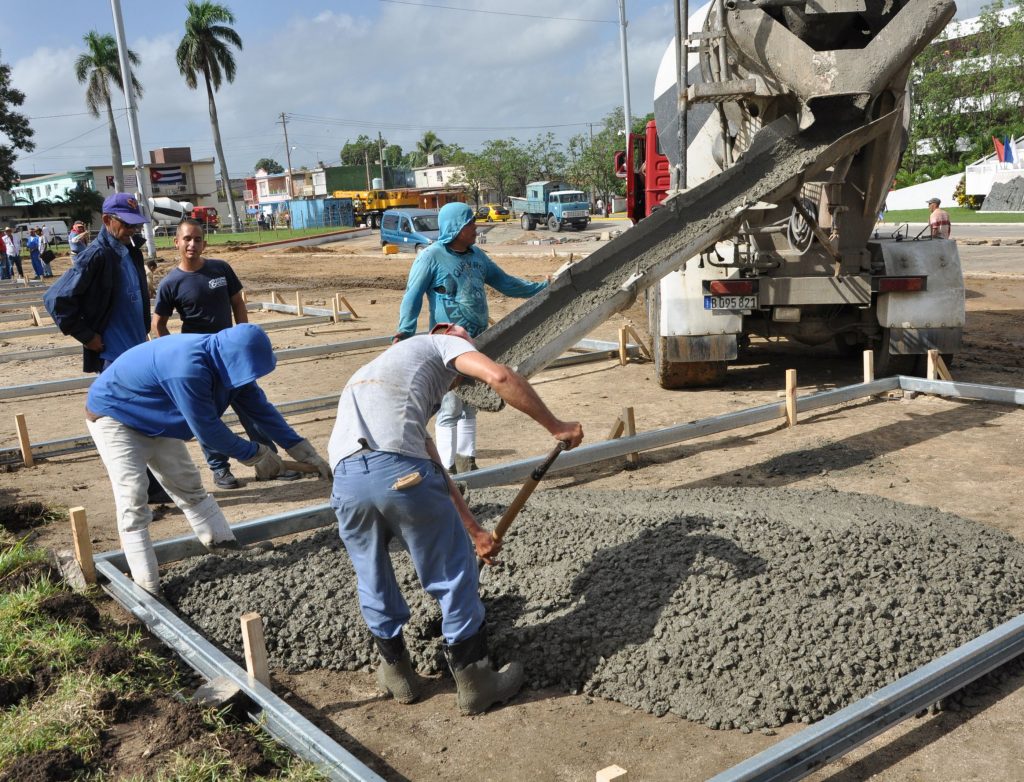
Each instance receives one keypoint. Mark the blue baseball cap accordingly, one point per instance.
(125, 208)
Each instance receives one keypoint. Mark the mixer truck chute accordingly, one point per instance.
(797, 118)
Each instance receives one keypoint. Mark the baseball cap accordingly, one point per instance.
(124, 207)
(935, 201)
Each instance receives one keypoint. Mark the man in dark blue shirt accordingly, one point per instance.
(206, 293)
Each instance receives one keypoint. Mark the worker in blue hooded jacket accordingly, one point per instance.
(161, 393)
(452, 273)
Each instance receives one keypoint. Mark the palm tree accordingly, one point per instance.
(429, 144)
(98, 66)
(206, 49)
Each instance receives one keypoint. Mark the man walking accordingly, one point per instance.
(452, 274)
(938, 220)
(207, 293)
(12, 248)
(45, 253)
(78, 237)
(103, 300)
(389, 484)
(159, 394)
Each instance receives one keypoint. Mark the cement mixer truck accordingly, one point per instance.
(167, 213)
(794, 120)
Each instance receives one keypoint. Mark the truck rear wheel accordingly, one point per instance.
(687, 374)
(888, 364)
(554, 224)
(526, 221)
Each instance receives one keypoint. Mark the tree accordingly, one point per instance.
(269, 165)
(13, 126)
(428, 145)
(358, 152)
(206, 49)
(97, 67)
(81, 203)
(592, 159)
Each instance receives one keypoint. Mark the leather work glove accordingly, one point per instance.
(303, 451)
(267, 463)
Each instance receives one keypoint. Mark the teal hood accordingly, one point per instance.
(242, 354)
(451, 219)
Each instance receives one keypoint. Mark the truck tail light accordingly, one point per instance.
(900, 284)
(731, 287)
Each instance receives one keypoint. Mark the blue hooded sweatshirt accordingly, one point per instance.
(180, 385)
(454, 282)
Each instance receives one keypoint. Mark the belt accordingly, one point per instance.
(91, 416)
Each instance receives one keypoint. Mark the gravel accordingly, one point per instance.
(735, 608)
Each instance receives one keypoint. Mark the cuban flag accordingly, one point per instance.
(1000, 149)
(1008, 151)
(172, 176)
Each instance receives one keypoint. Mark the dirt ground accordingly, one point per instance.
(960, 457)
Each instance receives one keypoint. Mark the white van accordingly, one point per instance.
(58, 230)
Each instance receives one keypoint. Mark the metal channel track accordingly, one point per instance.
(275, 716)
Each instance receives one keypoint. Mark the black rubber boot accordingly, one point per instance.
(395, 675)
(464, 464)
(479, 685)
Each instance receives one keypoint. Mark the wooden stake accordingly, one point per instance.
(617, 428)
(255, 648)
(275, 298)
(639, 341)
(334, 308)
(791, 397)
(348, 306)
(612, 774)
(23, 441)
(629, 426)
(869, 366)
(36, 319)
(623, 353)
(937, 369)
(83, 545)
(298, 304)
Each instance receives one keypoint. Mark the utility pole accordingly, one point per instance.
(380, 151)
(366, 160)
(141, 180)
(287, 154)
(591, 126)
(626, 111)
(682, 14)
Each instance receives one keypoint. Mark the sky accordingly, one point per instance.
(470, 70)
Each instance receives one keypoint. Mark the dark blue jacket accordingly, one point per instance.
(82, 299)
(180, 385)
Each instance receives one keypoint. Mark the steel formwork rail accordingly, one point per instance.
(275, 716)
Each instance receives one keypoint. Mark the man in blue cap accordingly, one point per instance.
(103, 299)
(161, 393)
(452, 274)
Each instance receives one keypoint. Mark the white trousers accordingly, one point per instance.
(126, 453)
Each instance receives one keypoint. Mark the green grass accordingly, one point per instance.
(252, 237)
(957, 214)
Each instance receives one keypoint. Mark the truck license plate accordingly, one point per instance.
(730, 302)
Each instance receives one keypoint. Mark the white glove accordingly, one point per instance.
(267, 463)
(302, 451)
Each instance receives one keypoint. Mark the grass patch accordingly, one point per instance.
(957, 214)
(14, 556)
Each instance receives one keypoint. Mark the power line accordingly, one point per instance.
(499, 13)
(315, 120)
(62, 143)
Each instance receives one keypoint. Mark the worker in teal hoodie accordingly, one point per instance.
(157, 395)
(452, 273)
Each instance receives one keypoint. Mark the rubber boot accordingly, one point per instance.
(395, 674)
(208, 522)
(464, 464)
(444, 439)
(142, 564)
(479, 685)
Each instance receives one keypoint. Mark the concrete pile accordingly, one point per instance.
(734, 608)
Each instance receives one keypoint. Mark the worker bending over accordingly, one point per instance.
(161, 393)
(389, 483)
(452, 274)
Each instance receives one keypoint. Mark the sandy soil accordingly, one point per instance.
(958, 457)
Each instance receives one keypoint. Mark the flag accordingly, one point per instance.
(1000, 152)
(110, 181)
(174, 176)
(1008, 156)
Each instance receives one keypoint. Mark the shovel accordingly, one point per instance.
(523, 495)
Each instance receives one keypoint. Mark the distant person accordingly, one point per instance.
(46, 255)
(207, 294)
(78, 239)
(12, 249)
(261, 221)
(103, 299)
(452, 273)
(600, 207)
(938, 220)
(32, 245)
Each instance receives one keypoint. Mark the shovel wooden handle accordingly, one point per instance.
(525, 492)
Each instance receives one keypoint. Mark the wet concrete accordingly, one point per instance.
(734, 608)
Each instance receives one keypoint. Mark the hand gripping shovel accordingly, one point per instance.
(524, 494)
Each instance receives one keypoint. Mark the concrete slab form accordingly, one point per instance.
(291, 309)
(790, 759)
(595, 351)
(16, 305)
(11, 317)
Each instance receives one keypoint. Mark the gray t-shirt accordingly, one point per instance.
(386, 404)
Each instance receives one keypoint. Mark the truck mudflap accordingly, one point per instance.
(907, 341)
(589, 292)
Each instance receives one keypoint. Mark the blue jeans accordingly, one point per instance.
(37, 265)
(219, 461)
(424, 519)
(14, 260)
(452, 409)
(5, 266)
